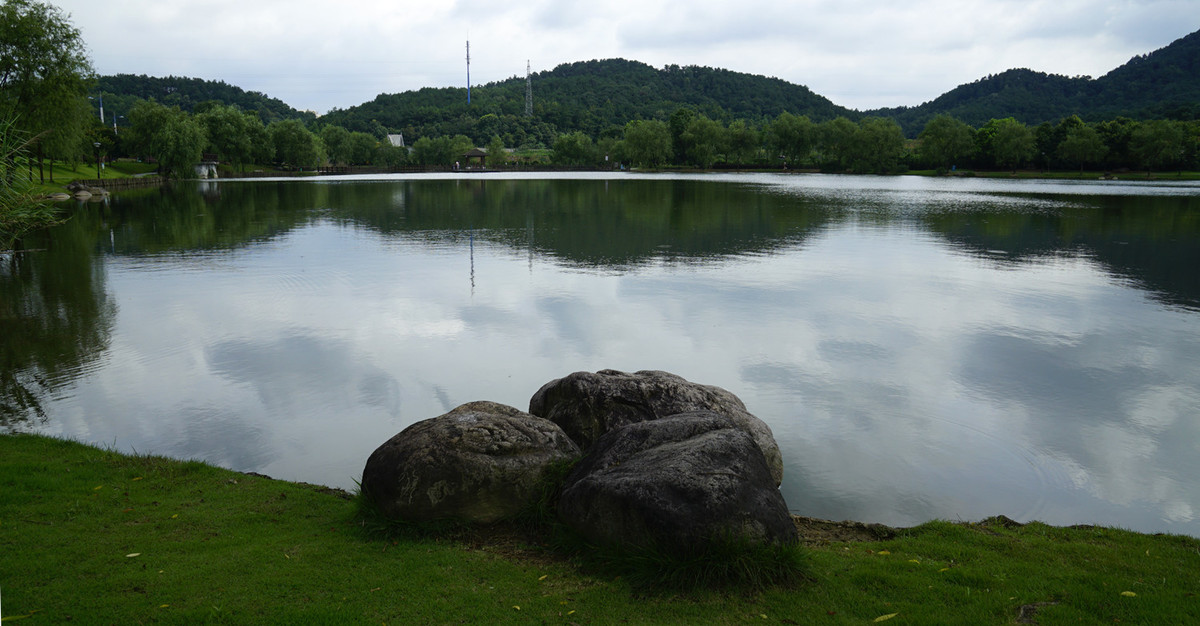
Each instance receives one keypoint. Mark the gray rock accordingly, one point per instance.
(82, 190)
(481, 462)
(588, 405)
(675, 483)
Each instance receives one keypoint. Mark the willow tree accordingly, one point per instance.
(1156, 143)
(1082, 145)
(168, 134)
(647, 142)
(1012, 143)
(45, 75)
(945, 141)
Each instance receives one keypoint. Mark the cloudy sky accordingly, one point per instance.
(861, 54)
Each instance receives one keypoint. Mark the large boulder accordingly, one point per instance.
(588, 405)
(481, 462)
(676, 483)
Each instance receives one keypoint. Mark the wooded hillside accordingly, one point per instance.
(1164, 84)
(122, 91)
(598, 97)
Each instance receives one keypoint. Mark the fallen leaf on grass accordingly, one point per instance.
(133, 554)
(883, 552)
(1128, 594)
(884, 618)
(543, 577)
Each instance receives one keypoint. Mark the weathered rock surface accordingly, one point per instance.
(82, 190)
(588, 405)
(677, 482)
(481, 462)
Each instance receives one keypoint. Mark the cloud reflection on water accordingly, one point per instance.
(907, 371)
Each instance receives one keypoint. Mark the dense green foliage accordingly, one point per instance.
(615, 112)
(295, 145)
(44, 79)
(945, 141)
(122, 91)
(168, 134)
(1163, 84)
(588, 96)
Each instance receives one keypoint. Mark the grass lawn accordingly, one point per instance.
(92, 536)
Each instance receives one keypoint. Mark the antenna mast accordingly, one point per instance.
(468, 71)
(528, 91)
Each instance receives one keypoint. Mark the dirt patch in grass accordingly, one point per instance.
(814, 531)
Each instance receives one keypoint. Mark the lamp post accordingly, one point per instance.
(98, 173)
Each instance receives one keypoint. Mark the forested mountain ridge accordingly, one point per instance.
(1162, 84)
(121, 91)
(594, 97)
(598, 97)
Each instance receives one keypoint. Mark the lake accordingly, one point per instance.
(922, 347)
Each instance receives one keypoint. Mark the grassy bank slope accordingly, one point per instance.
(98, 537)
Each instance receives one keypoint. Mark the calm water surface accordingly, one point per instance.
(922, 348)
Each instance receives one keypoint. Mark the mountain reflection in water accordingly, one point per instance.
(922, 348)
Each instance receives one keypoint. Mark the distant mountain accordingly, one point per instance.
(591, 96)
(122, 91)
(598, 97)
(1162, 84)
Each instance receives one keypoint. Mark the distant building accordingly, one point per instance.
(397, 141)
(475, 154)
(207, 167)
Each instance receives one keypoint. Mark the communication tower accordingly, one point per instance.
(468, 71)
(528, 91)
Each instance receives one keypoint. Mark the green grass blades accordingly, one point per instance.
(997, 572)
(92, 536)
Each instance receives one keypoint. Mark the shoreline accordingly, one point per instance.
(89, 534)
(820, 530)
(125, 183)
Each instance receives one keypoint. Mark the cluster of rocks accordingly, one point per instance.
(661, 461)
(84, 191)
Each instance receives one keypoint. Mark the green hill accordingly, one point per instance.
(122, 91)
(598, 97)
(1162, 84)
(595, 97)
